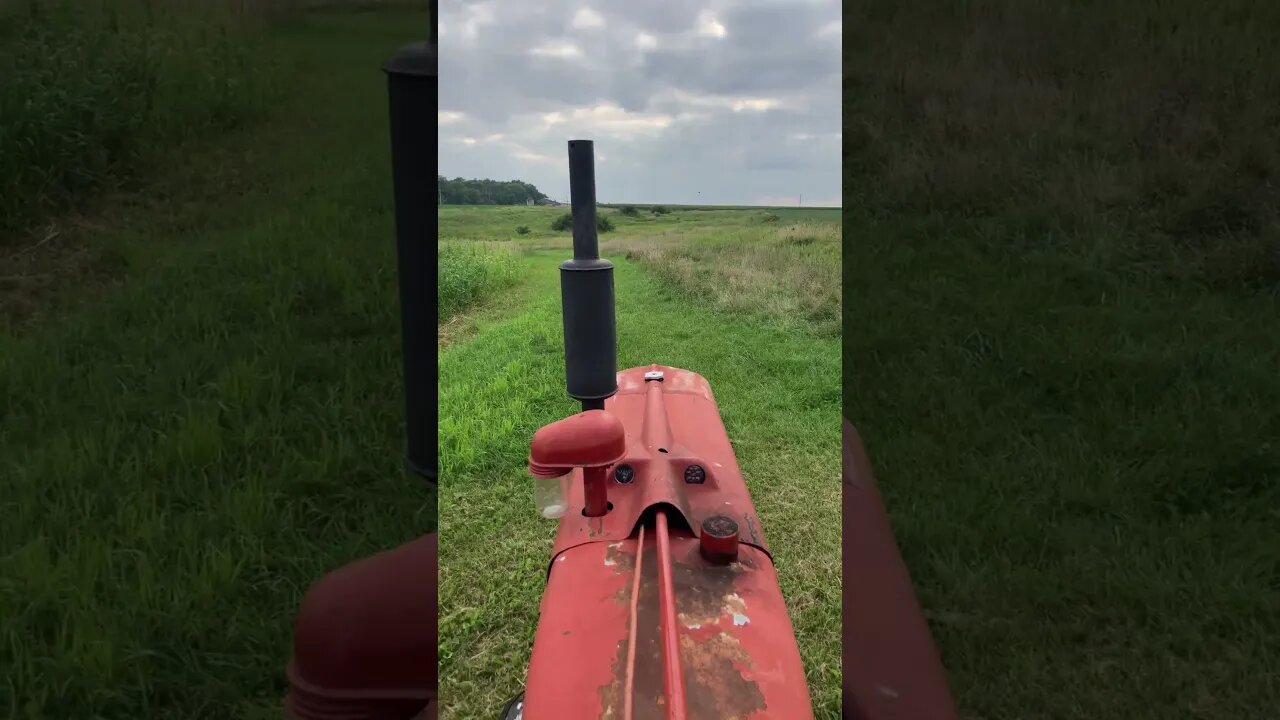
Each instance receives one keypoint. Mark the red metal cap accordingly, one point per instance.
(719, 539)
(593, 438)
(365, 641)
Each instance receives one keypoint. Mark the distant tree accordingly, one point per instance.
(460, 191)
(630, 211)
(659, 210)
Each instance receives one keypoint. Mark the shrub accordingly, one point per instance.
(522, 230)
(630, 211)
(659, 210)
(565, 222)
(769, 218)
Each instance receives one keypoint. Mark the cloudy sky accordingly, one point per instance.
(688, 101)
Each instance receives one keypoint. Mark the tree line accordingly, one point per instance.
(460, 191)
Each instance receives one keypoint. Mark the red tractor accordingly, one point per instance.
(662, 599)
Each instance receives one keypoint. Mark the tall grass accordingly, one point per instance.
(94, 91)
(790, 274)
(467, 272)
(1145, 130)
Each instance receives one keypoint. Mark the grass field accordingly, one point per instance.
(201, 410)
(1062, 335)
(775, 376)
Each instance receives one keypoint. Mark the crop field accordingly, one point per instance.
(745, 297)
(1062, 344)
(201, 408)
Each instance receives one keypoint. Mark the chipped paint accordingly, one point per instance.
(716, 688)
(733, 604)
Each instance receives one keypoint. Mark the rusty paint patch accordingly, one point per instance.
(712, 658)
(596, 526)
(619, 558)
(623, 562)
(648, 695)
(714, 685)
(752, 531)
(705, 597)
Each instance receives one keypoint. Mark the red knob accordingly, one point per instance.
(719, 540)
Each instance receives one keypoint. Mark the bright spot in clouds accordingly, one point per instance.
(557, 49)
(709, 26)
(586, 18)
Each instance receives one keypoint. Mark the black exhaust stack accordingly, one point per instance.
(412, 85)
(586, 292)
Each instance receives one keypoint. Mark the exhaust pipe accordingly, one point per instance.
(586, 293)
(412, 90)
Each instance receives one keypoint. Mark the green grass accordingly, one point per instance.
(186, 447)
(777, 388)
(1062, 329)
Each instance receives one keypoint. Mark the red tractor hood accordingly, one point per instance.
(668, 605)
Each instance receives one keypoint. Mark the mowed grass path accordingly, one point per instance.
(185, 449)
(778, 390)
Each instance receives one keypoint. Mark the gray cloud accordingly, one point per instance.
(708, 101)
